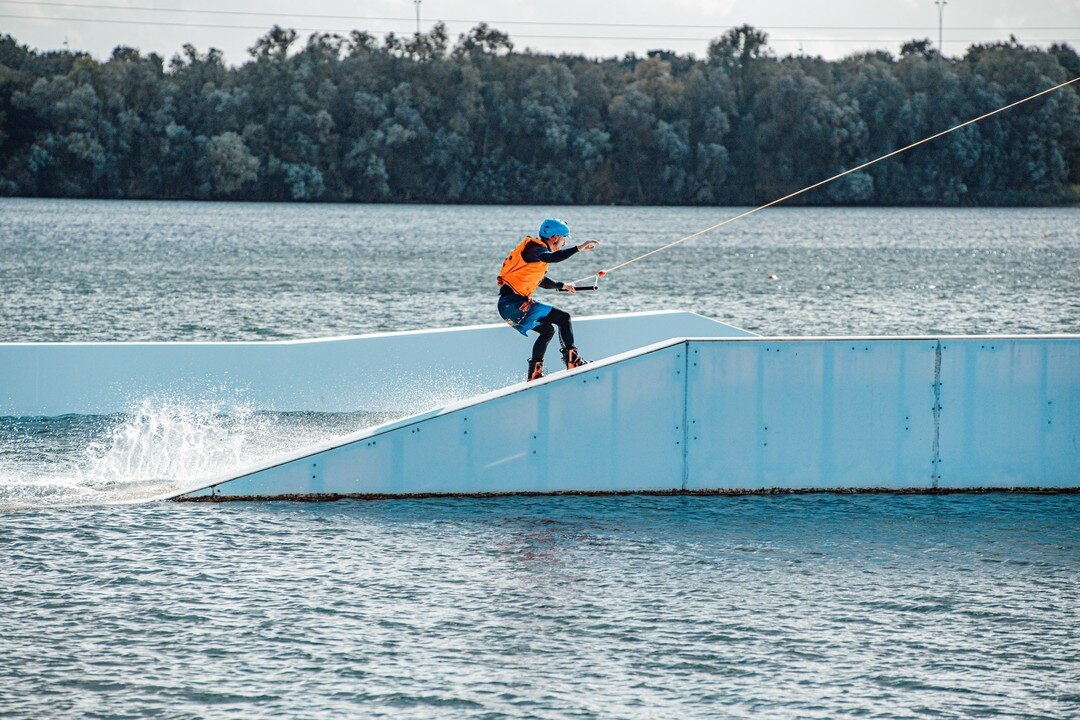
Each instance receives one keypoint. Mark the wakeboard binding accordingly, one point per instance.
(572, 358)
(536, 370)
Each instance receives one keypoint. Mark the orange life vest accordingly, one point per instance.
(523, 277)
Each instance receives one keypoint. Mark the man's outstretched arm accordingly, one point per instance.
(535, 253)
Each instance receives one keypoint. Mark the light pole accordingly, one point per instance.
(417, 4)
(940, 23)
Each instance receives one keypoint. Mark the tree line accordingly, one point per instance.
(421, 119)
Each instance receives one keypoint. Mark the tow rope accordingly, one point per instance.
(601, 273)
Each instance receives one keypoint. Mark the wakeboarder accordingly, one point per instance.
(523, 271)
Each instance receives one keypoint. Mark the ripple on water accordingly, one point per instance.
(812, 606)
(816, 606)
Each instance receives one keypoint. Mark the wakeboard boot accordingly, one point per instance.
(572, 358)
(536, 370)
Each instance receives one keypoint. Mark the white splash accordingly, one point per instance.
(161, 447)
(169, 444)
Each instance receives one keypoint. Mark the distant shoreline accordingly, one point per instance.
(424, 120)
(543, 203)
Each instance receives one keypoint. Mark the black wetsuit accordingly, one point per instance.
(556, 317)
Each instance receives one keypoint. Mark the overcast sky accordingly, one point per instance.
(831, 28)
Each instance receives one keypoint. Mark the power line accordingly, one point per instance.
(514, 22)
(650, 38)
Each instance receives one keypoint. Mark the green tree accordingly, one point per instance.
(414, 119)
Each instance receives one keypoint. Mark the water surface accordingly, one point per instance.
(137, 270)
(817, 606)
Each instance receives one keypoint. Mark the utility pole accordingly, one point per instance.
(940, 24)
(417, 4)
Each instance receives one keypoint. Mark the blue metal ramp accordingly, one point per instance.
(736, 414)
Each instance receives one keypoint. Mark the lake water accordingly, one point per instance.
(109, 270)
(792, 606)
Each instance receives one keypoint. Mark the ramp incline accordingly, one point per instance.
(731, 414)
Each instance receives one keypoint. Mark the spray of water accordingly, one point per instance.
(160, 447)
(165, 445)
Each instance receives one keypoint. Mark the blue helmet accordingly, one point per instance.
(552, 226)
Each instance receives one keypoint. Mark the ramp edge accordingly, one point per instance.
(673, 492)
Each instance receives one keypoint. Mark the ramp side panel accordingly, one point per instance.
(811, 414)
(380, 372)
(761, 413)
(617, 427)
(1009, 412)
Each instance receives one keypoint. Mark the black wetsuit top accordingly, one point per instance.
(537, 253)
